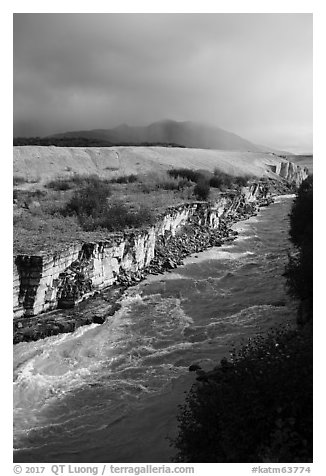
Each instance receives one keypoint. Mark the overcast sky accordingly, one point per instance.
(250, 74)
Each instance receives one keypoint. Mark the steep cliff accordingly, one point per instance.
(60, 280)
(289, 171)
(45, 282)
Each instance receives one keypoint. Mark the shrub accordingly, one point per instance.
(184, 183)
(257, 407)
(26, 197)
(188, 174)
(116, 217)
(94, 211)
(216, 182)
(34, 180)
(90, 200)
(299, 271)
(146, 188)
(125, 179)
(301, 216)
(76, 180)
(168, 185)
(221, 180)
(19, 180)
(60, 184)
(153, 182)
(299, 275)
(242, 181)
(202, 190)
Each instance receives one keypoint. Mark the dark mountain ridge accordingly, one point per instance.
(187, 134)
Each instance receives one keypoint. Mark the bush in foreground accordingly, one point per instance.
(257, 407)
(299, 271)
(301, 216)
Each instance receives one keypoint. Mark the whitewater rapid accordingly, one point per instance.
(110, 393)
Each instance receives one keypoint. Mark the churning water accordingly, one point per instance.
(109, 393)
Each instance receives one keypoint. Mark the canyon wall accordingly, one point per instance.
(59, 280)
(47, 281)
(290, 172)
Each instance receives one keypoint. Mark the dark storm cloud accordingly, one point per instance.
(248, 73)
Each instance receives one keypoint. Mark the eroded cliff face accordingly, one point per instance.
(60, 280)
(292, 173)
(45, 282)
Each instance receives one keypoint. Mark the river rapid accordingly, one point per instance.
(110, 393)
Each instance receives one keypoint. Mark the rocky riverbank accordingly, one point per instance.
(170, 250)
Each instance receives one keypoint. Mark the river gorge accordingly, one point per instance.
(110, 392)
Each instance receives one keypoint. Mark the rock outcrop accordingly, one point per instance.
(292, 172)
(61, 280)
(48, 281)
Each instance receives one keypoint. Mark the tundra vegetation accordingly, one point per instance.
(256, 406)
(85, 208)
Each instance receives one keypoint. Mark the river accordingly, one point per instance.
(110, 393)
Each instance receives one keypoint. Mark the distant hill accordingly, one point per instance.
(186, 134)
(67, 141)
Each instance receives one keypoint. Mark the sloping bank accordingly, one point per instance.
(46, 282)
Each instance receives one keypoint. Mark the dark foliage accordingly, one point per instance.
(94, 210)
(151, 144)
(90, 200)
(219, 180)
(169, 185)
(184, 183)
(223, 181)
(61, 141)
(76, 181)
(125, 179)
(17, 180)
(148, 187)
(189, 174)
(60, 184)
(202, 190)
(301, 217)
(257, 407)
(117, 217)
(84, 142)
(25, 197)
(242, 181)
(299, 271)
